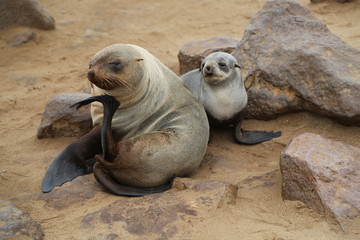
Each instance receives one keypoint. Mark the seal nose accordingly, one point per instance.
(208, 68)
(91, 74)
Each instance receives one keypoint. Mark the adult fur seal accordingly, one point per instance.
(219, 86)
(148, 127)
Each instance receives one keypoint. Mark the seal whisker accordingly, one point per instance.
(107, 83)
(127, 85)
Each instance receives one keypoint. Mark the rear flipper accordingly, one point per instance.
(253, 137)
(110, 184)
(75, 160)
(110, 151)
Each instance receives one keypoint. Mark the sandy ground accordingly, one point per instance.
(57, 63)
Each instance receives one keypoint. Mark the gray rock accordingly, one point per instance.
(16, 224)
(324, 174)
(28, 13)
(192, 53)
(60, 119)
(292, 62)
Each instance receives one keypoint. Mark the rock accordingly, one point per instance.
(292, 62)
(78, 190)
(25, 12)
(192, 53)
(22, 38)
(160, 216)
(324, 174)
(60, 119)
(16, 224)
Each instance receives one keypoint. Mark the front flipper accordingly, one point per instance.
(110, 184)
(253, 137)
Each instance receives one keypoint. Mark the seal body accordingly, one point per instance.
(219, 86)
(160, 130)
(161, 127)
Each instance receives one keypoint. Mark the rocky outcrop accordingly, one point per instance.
(324, 174)
(61, 120)
(193, 53)
(16, 224)
(292, 62)
(28, 13)
(155, 216)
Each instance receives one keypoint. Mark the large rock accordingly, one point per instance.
(62, 120)
(193, 53)
(324, 174)
(292, 62)
(17, 225)
(28, 13)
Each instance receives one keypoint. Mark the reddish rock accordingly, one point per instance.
(62, 120)
(324, 174)
(192, 53)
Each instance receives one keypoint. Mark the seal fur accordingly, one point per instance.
(219, 86)
(160, 130)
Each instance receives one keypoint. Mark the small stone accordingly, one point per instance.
(61, 120)
(22, 38)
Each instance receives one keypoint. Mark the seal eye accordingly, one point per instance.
(222, 65)
(115, 65)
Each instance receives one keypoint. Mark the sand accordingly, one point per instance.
(57, 63)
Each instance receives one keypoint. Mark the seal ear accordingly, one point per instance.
(237, 65)
(201, 66)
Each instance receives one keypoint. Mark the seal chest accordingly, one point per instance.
(224, 102)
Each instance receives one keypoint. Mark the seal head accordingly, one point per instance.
(111, 69)
(218, 67)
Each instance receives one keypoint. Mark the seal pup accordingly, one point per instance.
(219, 86)
(149, 129)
